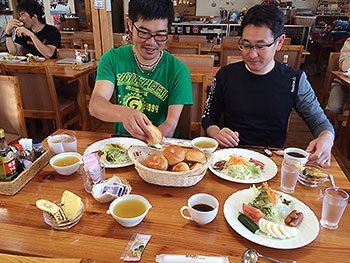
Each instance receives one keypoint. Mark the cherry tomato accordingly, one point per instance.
(252, 212)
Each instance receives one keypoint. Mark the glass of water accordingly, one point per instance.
(289, 175)
(333, 207)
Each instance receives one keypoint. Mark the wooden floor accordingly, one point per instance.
(299, 134)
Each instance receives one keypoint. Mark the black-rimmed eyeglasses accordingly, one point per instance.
(147, 35)
(246, 46)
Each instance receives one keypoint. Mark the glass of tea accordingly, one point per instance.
(202, 208)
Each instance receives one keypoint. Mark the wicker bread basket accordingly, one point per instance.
(138, 154)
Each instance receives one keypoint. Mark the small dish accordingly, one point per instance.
(65, 224)
(205, 144)
(129, 221)
(66, 169)
(319, 176)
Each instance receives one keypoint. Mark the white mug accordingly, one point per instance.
(202, 208)
(297, 154)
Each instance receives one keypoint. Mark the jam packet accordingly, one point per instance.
(135, 247)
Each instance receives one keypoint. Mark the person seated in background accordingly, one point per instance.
(254, 98)
(32, 34)
(149, 84)
(339, 93)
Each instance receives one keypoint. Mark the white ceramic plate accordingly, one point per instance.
(309, 227)
(270, 169)
(126, 142)
(3, 54)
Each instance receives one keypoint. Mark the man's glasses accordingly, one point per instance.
(147, 35)
(246, 46)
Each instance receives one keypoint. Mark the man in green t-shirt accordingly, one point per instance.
(149, 84)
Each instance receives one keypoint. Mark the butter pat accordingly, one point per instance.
(70, 204)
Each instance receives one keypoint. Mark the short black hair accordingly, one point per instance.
(151, 10)
(32, 7)
(265, 15)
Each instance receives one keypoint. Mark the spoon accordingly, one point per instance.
(331, 178)
(252, 256)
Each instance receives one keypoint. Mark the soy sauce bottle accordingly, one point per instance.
(8, 167)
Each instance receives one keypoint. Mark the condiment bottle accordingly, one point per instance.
(285, 60)
(8, 169)
(86, 53)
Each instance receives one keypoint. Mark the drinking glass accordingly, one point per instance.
(333, 207)
(289, 175)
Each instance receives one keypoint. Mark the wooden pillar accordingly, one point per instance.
(102, 27)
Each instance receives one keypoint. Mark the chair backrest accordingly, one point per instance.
(230, 39)
(287, 41)
(189, 125)
(118, 39)
(234, 59)
(39, 96)
(192, 39)
(333, 64)
(229, 50)
(81, 37)
(184, 48)
(194, 60)
(11, 110)
(294, 53)
(70, 53)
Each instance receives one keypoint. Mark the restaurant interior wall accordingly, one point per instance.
(212, 7)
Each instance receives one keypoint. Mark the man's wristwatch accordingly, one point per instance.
(8, 35)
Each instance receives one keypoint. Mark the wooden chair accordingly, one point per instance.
(287, 41)
(39, 96)
(194, 60)
(184, 48)
(233, 59)
(118, 39)
(333, 64)
(192, 39)
(189, 125)
(229, 50)
(230, 39)
(81, 37)
(294, 52)
(11, 110)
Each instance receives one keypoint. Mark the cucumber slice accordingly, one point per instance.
(248, 223)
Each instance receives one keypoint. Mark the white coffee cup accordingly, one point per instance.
(202, 208)
(297, 154)
(64, 142)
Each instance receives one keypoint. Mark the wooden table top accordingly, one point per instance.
(340, 75)
(98, 236)
(64, 71)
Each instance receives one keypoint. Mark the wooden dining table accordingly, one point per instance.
(67, 73)
(99, 237)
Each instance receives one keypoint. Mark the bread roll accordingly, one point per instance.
(156, 136)
(181, 167)
(174, 154)
(195, 166)
(195, 156)
(156, 161)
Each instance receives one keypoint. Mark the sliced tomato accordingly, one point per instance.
(257, 163)
(252, 212)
